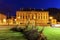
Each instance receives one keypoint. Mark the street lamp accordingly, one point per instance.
(15, 21)
(4, 20)
(50, 18)
(18, 20)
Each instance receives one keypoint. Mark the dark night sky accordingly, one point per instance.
(12, 5)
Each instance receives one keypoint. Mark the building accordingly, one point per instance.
(10, 21)
(53, 21)
(3, 19)
(33, 16)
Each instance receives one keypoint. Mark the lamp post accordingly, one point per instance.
(15, 21)
(50, 18)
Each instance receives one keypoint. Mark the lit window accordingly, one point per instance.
(18, 17)
(38, 17)
(23, 17)
(41, 17)
(34, 17)
(26, 17)
(44, 17)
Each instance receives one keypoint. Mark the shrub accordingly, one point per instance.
(14, 29)
(31, 34)
(17, 29)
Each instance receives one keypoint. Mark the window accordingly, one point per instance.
(26, 17)
(32, 17)
(23, 17)
(38, 17)
(41, 17)
(44, 17)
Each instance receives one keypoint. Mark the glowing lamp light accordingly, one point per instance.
(15, 19)
(51, 17)
(4, 20)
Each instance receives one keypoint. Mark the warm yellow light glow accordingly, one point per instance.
(4, 20)
(18, 17)
(34, 17)
(51, 18)
(15, 19)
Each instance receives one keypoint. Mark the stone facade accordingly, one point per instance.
(3, 19)
(53, 21)
(34, 17)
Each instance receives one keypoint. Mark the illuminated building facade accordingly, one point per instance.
(34, 17)
(3, 19)
(10, 21)
(53, 21)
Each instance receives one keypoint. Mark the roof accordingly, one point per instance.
(3, 14)
(29, 9)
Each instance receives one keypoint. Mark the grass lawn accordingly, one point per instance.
(51, 33)
(6, 34)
